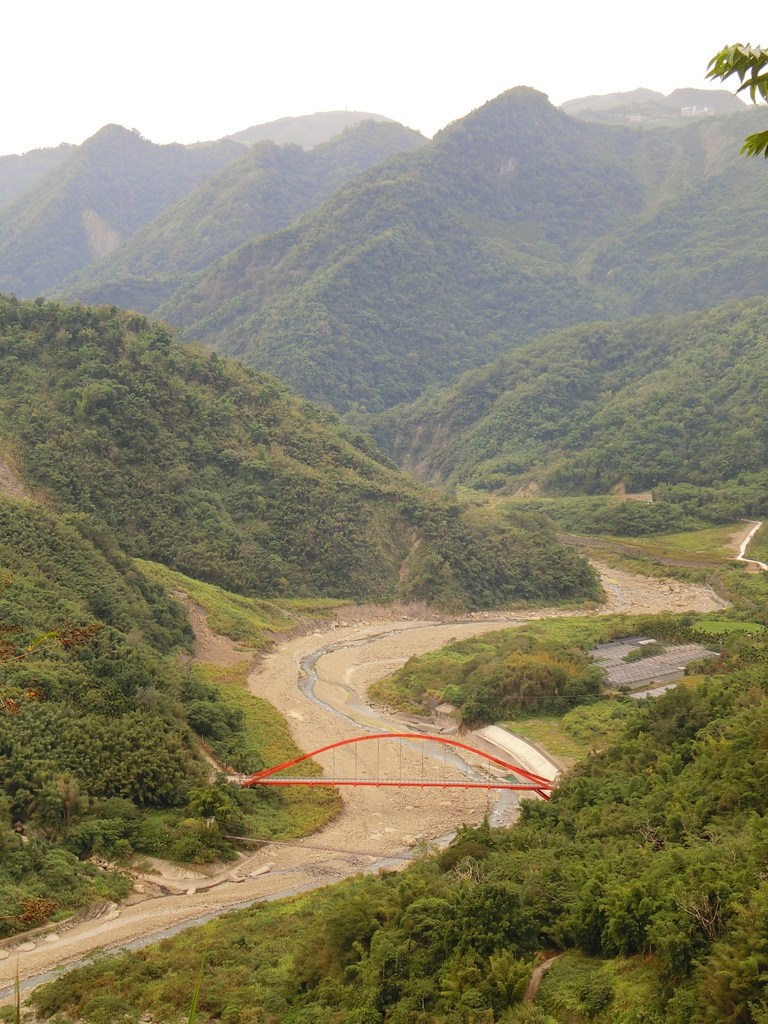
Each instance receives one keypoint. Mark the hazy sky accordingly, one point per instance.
(189, 71)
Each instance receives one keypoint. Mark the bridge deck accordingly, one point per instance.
(317, 780)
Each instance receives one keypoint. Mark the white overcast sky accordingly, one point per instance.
(185, 71)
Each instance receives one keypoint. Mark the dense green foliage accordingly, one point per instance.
(656, 846)
(223, 474)
(422, 267)
(702, 245)
(748, 64)
(511, 673)
(673, 404)
(613, 515)
(98, 195)
(513, 221)
(90, 706)
(262, 191)
(245, 733)
(498, 676)
(63, 563)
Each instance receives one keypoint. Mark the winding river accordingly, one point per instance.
(318, 684)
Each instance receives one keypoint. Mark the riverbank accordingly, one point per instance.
(375, 825)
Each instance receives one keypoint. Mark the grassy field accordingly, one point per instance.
(758, 546)
(714, 544)
(549, 733)
(728, 626)
(571, 736)
(248, 620)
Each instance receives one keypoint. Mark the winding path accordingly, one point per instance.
(741, 557)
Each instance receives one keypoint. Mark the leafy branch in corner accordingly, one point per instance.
(749, 64)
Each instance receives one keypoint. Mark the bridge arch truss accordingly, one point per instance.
(525, 781)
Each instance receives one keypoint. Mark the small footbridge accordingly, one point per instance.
(388, 771)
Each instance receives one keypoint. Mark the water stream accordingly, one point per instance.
(504, 806)
(309, 678)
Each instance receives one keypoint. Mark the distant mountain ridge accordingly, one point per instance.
(262, 191)
(647, 105)
(513, 221)
(18, 173)
(427, 259)
(61, 209)
(93, 199)
(307, 130)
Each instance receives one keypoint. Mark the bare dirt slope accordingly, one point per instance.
(10, 483)
(211, 648)
(632, 594)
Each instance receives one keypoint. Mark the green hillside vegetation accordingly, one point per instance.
(501, 675)
(90, 714)
(263, 190)
(18, 172)
(221, 473)
(618, 516)
(647, 868)
(423, 267)
(669, 404)
(700, 246)
(540, 666)
(98, 724)
(513, 221)
(246, 734)
(92, 200)
(251, 621)
(758, 547)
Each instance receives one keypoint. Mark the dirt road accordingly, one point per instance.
(374, 824)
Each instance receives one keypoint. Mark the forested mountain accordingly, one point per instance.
(263, 190)
(699, 243)
(220, 472)
(676, 401)
(20, 172)
(412, 271)
(307, 130)
(513, 221)
(92, 200)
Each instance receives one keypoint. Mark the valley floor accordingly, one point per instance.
(376, 826)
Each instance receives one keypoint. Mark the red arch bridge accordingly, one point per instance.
(524, 780)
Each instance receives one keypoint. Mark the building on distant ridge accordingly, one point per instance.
(697, 111)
